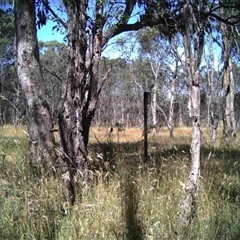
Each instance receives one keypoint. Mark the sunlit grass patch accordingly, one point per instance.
(13, 131)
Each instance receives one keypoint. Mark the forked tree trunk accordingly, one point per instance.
(80, 91)
(39, 120)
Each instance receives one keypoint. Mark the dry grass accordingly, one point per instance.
(135, 134)
(134, 201)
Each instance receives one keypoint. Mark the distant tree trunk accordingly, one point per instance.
(154, 110)
(213, 113)
(155, 66)
(214, 120)
(180, 115)
(171, 105)
(229, 122)
(39, 120)
(229, 126)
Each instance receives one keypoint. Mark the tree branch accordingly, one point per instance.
(53, 74)
(104, 80)
(134, 78)
(57, 18)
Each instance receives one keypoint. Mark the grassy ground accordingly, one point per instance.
(130, 201)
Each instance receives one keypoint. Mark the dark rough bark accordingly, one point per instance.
(81, 88)
(73, 132)
(39, 120)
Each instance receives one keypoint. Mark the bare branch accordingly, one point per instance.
(53, 74)
(164, 115)
(57, 18)
(104, 80)
(134, 78)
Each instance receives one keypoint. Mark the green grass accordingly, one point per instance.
(130, 201)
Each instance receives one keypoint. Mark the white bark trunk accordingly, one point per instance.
(154, 110)
(188, 202)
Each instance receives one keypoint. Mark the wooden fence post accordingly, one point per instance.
(147, 101)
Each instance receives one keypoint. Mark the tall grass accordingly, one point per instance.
(134, 201)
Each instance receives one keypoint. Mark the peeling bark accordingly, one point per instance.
(188, 202)
(193, 48)
(81, 89)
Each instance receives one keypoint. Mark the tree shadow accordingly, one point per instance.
(133, 222)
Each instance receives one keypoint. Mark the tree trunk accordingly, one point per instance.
(171, 105)
(81, 88)
(193, 48)
(213, 111)
(188, 202)
(154, 109)
(180, 115)
(74, 129)
(39, 120)
(229, 126)
(229, 122)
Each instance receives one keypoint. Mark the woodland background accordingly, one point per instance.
(186, 53)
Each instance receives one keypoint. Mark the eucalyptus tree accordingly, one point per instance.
(191, 20)
(39, 119)
(192, 30)
(156, 53)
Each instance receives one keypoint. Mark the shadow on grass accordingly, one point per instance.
(134, 225)
(219, 165)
